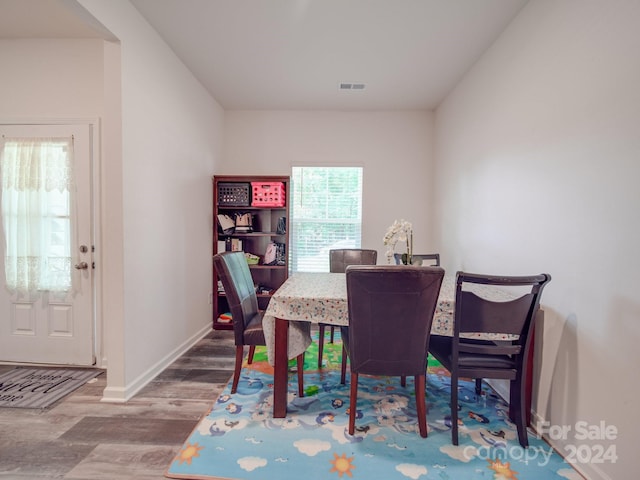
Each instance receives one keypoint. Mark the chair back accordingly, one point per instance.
(475, 313)
(432, 259)
(233, 271)
(390, 315)
(340, 259)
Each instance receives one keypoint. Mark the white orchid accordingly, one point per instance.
(400, 231)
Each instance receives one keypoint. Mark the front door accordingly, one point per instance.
(51, 324)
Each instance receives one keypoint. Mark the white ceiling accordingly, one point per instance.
(292, 54)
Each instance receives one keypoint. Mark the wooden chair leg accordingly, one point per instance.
(478, 386)
(421, 404)
(237, 368)
(343, 366)
(333, 330)
(353, 397)
(300, 359)
(252, 350)
(518, 400)
(403, 380)
(454, 408)
(320, 344)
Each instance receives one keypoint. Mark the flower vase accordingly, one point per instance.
(407, 258)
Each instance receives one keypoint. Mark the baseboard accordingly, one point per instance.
(123, 394)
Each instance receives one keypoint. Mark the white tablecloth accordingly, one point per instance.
(307, 298)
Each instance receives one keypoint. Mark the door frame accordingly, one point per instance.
(95, 167)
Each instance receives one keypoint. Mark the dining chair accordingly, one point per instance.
(377, 346)
(233, 271)
(467, 357)
(339, 259)
(432, 259)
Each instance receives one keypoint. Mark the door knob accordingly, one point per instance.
(82, 266)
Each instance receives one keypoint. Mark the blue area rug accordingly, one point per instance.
(239, 439)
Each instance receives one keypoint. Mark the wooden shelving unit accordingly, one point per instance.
(267, 278)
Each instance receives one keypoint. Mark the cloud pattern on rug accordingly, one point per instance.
(240, 439)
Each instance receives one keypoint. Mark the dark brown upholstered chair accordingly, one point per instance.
(432, 259)
(480, 359)
(339, 259)
(390, 315)
(233, 271)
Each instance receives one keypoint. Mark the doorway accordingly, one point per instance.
(48, 307)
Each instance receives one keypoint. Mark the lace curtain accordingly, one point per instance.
(36, 213)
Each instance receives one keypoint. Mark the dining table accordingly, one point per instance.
(307, 298)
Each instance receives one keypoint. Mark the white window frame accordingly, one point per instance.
(336, 215)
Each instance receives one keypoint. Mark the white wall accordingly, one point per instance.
(169, 131)
(47, 79)
(537, 171)
(395, 149)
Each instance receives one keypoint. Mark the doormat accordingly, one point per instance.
(40, 388)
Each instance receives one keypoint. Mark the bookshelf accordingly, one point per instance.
(265, 199)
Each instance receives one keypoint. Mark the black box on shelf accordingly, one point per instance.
(234, 194)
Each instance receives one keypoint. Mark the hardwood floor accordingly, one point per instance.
(80, 438)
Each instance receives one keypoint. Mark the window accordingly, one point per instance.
(326, 213)
(36, 184)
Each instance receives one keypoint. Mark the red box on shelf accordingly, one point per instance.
(268, 194)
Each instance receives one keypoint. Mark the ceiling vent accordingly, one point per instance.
(351, 86)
